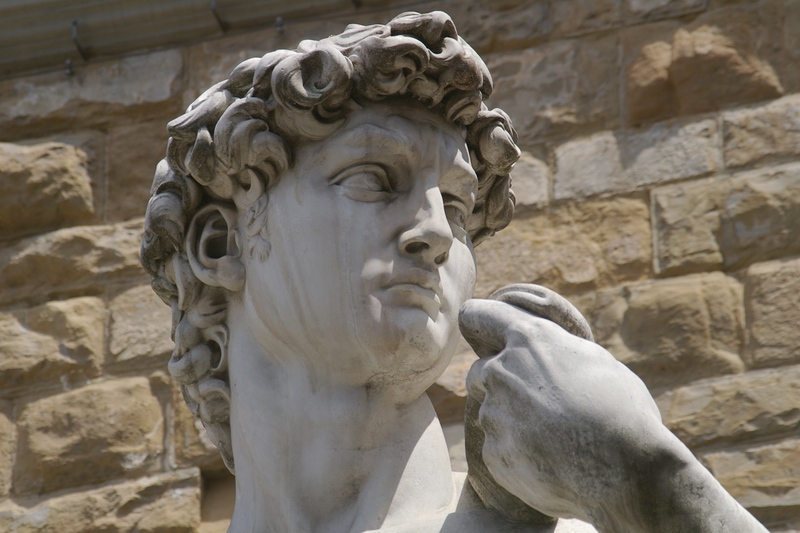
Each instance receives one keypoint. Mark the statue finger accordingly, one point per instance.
(485, 325)
(545, 303)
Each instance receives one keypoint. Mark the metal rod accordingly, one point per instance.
(223, 26)
(84, 52)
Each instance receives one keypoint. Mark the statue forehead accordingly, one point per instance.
(394, 126)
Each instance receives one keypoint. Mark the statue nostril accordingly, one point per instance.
(441, 259)
(416, 247)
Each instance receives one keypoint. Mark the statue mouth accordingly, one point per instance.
(417, 288)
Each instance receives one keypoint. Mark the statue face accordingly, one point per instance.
(370, 260)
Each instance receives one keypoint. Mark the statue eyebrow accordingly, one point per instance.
(362, 137)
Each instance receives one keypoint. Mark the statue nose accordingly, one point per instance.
(429, 237)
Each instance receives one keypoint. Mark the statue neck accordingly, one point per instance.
(310, 457)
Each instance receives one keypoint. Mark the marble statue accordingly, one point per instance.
(312, 229)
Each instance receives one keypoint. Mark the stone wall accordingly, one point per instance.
(659, 190)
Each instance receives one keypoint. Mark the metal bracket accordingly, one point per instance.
(223, 26)
(84, 52)
(68, 68)
(279, 25)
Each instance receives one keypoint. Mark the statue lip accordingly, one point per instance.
(422, 286)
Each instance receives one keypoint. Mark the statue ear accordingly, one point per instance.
(212, 247)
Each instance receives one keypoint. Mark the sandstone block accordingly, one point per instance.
(134, 150)
(588, 166)
(734, 408)
(760, 477)
(190, 443)
(615, 162)
(647, 56)
(673, 331)
(56, 342)
(93, 143)
(132, 86)
(671, 151)
(638, 10)
(8, 441)
(773, 313)
(70, 259)
(88, 435)
(557, 87)
(727, 222)
(726, 56)
(770, 130)
(531, 180)
(141, 327)
(723, 58)
(166, 503)
(219, 493)
(570, 247)
(577, 17)
(42, 187)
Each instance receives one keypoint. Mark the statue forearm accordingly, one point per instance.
(670, 491)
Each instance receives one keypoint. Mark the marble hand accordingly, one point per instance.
(571, 432)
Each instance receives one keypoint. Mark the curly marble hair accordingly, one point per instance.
(234, 142)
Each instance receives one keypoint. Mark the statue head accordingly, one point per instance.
(220, 198)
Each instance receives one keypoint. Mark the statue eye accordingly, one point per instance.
(456, 212)
(364, 183)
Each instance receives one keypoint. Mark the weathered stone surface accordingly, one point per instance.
(672, 151)
(734, 408)
(638, 10)
(190, 443)
(727, 222)
(91, 142)
(88, 435)
(531, 180)
(770, 130)
(625, 161)
(590, 165)
(141, 327)
(70, 259)
(647, 56)
(56, 342)
(760, 476)
(42, 187)
(219, 493)
(8, 441)
(97, 93)
(166, 503)
(134, 150)
(570, 247)
(673, 331)
(575, 17)
(722, 58)
(773, 313)
(558, 86)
